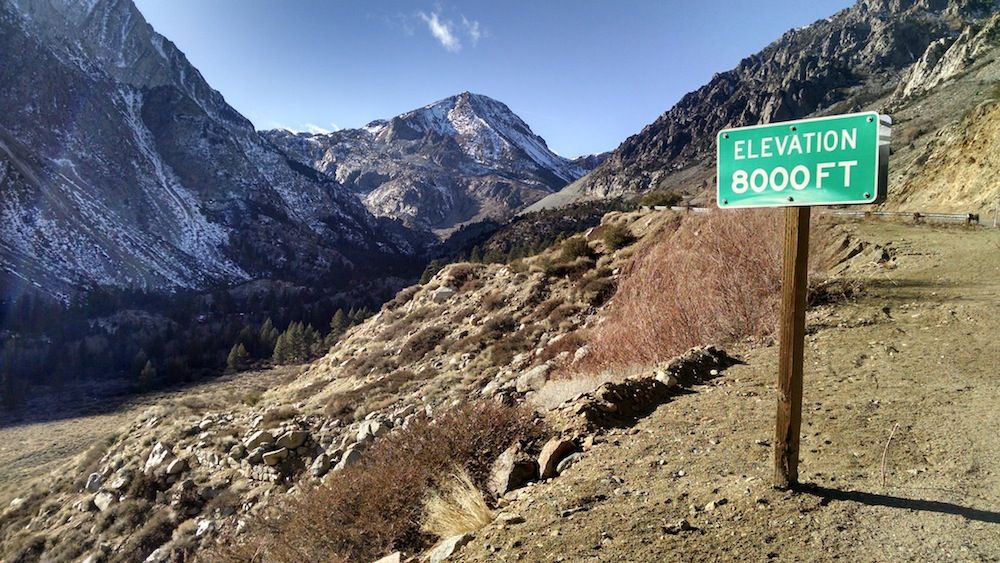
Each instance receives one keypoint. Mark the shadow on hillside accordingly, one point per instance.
(875, 499)
(97, 398)
(905, 289)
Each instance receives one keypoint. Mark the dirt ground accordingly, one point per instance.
(918, 349)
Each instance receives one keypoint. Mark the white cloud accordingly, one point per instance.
(472, 29)
(443, 31)
(316, 129)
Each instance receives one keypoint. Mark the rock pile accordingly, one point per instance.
(620, 403)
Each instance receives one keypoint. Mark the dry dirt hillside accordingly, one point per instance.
(172, 472)
(664, 460)
(914, 351)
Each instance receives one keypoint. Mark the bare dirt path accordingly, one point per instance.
(919, 350)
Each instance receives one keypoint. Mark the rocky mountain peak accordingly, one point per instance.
(460, 159)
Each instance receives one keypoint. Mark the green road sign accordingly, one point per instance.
(839, 160)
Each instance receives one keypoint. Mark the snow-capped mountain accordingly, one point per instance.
(461, 159)
(120, 166)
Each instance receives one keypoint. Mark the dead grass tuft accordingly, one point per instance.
(458, 507)
(277, 414)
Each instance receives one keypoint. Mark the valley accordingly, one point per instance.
(434, 338)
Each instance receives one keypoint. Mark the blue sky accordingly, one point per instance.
(583, 74)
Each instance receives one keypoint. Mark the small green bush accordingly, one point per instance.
(657, 199)
(575, 247)
(617, 236)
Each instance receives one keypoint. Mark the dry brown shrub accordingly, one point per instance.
(597, 290)
(545, 308)
(572, 270)
(568, 343)
(492, 330)
(279, 413)
(463, 313)
(504, 349)
(418, 345)
(494, 300)
(402, 298)
(155, 531)
(562, 312)
(376, 506)
(462, 273)
(716, 279)
(23, 547)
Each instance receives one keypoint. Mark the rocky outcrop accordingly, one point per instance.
(835, 65)
(947, 57)
(620, 403)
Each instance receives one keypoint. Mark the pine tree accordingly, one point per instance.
(430, 271)
(268, 337)
(238, 359)
(339, 323)
(476, 255)
(147, 376)
(312, 344)
(281, 352)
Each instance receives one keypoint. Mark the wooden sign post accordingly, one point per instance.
(835, 160)
(792, 330)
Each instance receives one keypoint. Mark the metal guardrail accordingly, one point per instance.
(967, 218)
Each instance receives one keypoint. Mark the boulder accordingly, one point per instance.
(275, 457)
(238, 452)
(258, 438)
(176, 467)
(370, 429)
(567, 462)
(120, 482)
(158, 459)
(103, 500)
(392, 558)
(292, 439)
(442, 294)
(94, 482)
(533, 379)
(205, 526)
(554, 451)
(351, 457)
(510, 519)
(447, 547)
(512, 470)
(321, 466)
(256, 456)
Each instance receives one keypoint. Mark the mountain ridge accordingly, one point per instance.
(863, 54)
(132, 172)
(461, 159)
